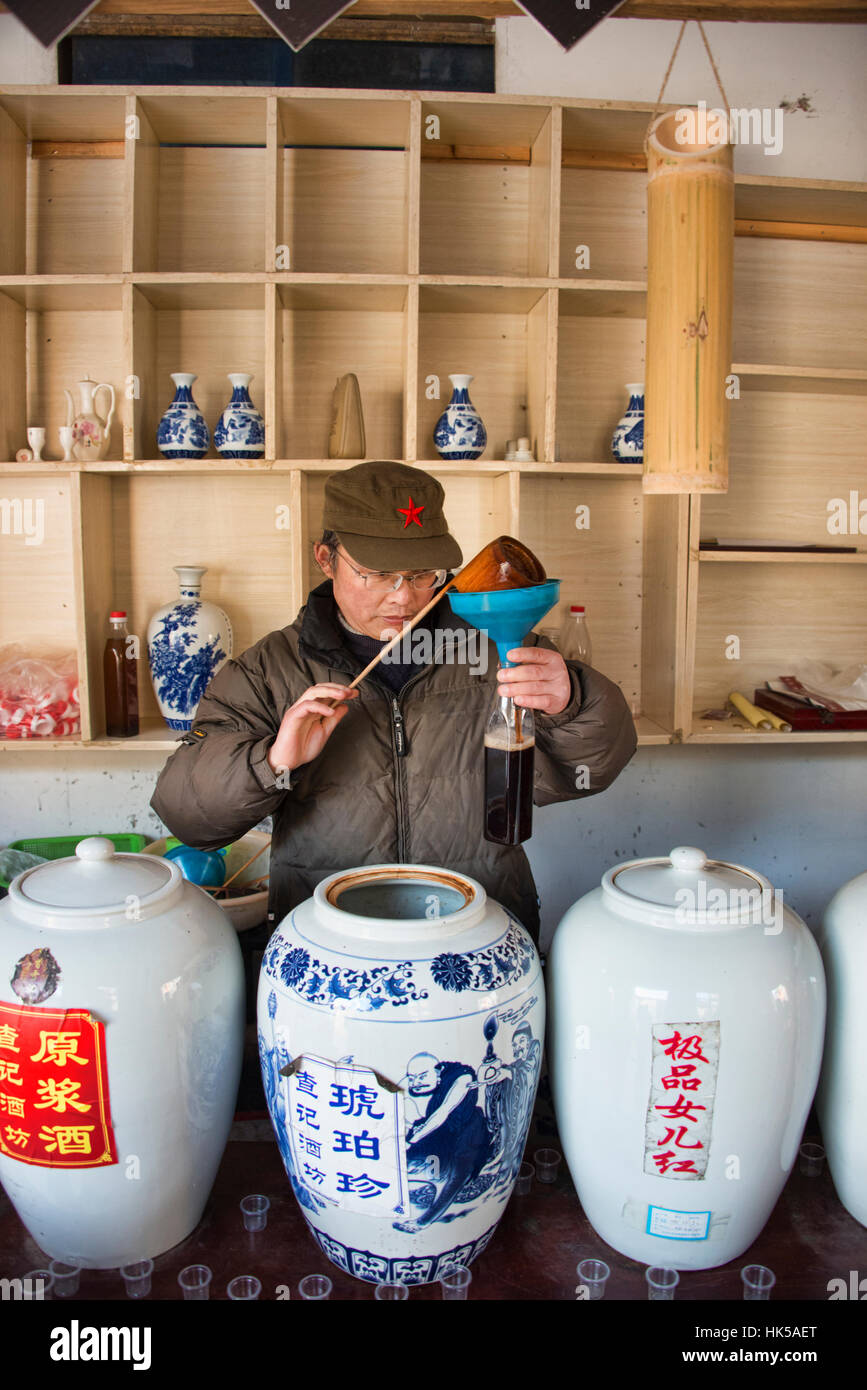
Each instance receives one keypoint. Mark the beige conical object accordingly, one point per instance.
(346, 440)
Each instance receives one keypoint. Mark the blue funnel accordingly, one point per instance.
(506, 615)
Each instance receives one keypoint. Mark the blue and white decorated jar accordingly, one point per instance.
(627, 444)
(401, 1021)
(459, 432)
(188, 641)
(183, 432)
(240, 432)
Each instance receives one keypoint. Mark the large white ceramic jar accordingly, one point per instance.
(687, 1007)
(401, 1019)
(121, 1037)
(842, 1096)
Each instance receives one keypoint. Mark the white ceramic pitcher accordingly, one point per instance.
(91, 434)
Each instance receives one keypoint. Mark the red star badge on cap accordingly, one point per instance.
(412, 513)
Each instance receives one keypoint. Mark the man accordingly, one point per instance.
(393, 770)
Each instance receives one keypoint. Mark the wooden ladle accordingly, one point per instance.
(503, 564)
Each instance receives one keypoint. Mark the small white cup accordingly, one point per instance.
(66, 437)
(36, 440)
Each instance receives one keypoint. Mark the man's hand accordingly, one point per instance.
(540, 680)
(307, 725)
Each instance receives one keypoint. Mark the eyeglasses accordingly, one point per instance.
(380, 581)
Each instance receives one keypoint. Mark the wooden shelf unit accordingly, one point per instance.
(406, 236)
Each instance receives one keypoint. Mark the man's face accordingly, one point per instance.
(370, 611)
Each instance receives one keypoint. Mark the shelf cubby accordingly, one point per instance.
(324, 331)
(55, 333)
(63, 177)
(791, 456)
(792, 300)
(210, 327)
(200, 169)
(781, 614)
(603, 195)
(137, 527)
(343, 181)
(485, 188)
(502, 336)
(601, 339)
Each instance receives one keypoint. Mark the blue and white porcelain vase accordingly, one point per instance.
(240, 432)
(627, 444)
(188, 641)
(459, 432)
(401, 1019)
(183, 432)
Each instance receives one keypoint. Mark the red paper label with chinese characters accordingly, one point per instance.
(54, 1104)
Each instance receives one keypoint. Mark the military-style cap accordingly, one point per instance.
(390, 517)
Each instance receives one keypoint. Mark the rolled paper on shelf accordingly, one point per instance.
(759, 718)
(779, 724)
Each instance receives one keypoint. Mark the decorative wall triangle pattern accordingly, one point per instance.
(565, 21)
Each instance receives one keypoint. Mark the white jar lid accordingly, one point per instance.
(97, 881)
(688, 889)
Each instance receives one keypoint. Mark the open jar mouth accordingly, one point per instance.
(400, 894)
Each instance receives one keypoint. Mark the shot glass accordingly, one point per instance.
(455, 1282)
(547, 1161)
(391, 1292)
(315, 1287)
(255, 1210)
(137, 1278)
(195, 1282)
(811, 1160)
(758, 1281)
(244, 1288)
(593, 1274)
(67, 1274)
(37, 1284)
(661, 1283)
(524, 1180)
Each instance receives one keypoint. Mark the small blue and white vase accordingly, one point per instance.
(188, 641)
(459, 432)
(627, 444)
(183, 432)
(240, 432)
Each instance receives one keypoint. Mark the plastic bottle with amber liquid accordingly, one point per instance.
(510, 740)
(120, 680)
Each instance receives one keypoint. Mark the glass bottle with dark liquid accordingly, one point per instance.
(510, 740)
(120, 679)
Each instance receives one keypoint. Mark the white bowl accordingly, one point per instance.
(251, 910)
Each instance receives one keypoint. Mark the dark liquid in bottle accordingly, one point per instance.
(120, 673)
(509, 794)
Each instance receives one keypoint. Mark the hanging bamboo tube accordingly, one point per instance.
(690, 216)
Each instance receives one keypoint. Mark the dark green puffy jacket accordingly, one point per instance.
(360, 802)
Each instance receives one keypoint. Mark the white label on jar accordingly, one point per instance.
(346, 1129)
(684, 1067)
(678, 1225)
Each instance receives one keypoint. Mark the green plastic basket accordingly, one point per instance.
(63, 846)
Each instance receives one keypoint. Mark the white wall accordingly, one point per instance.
(22, 57)
(761, 65)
